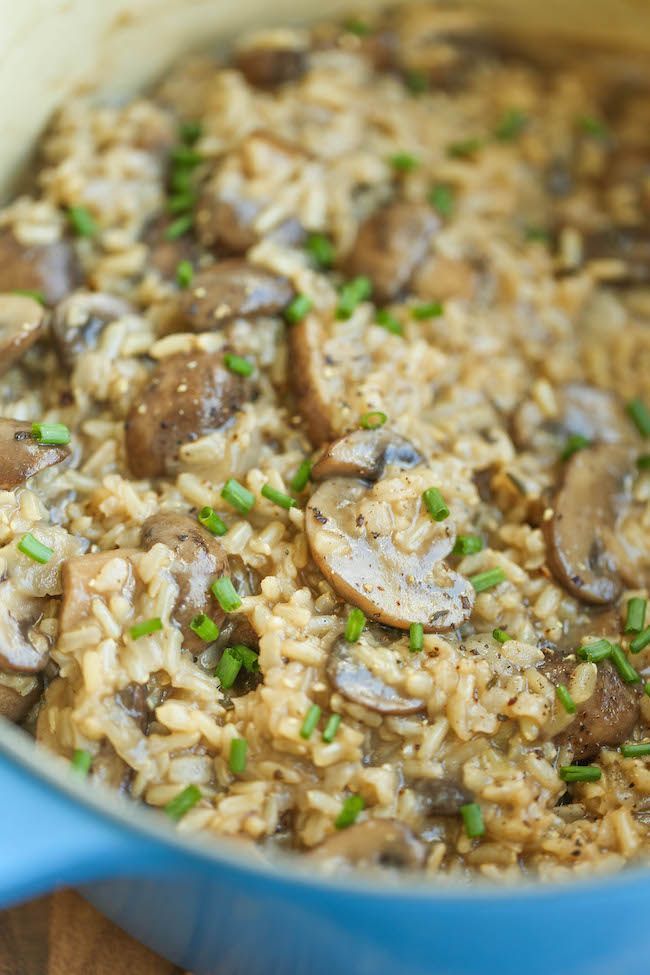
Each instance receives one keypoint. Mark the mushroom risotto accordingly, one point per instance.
(325, 450)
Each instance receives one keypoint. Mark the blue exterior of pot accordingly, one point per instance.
(216, 911)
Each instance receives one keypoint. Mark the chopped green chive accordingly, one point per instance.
(501, 636)
(580, 773)
(278, 497)
(228, 668)
(301, 478)
(249, 659)
(403, 162)
(350, 810)
(643, 462)
(467, 545)
(432, 309)
(184, 274)
(190, 132)
(646, 689)
(623, 665)
(473, 820)
(354, 625)
(574, 443)
(641, 641)
(81, 761)
(185, 156)
(298, 307)
(636, 610)
(34, 549)
(205, 628)
(640, 415)
(51, 433)
(441, 198)
(209, 518)
(565, 699)
(417, 82)
(238, 364)
(331, 728)
(435, 504)
(238, 755)
(239, 497)
(596, 651)
(416, 637)
(591, 125)
(82, 221)
(351, 295)
(357, 26)
(179, 227)
(486, 580)
(311, 720)
(321, 250)
(181, 202)
(464, 149)
(183, 802)
(535, 233)
(226, 594)
(145, 627)
(511, 125)
(30, 293)
(389, 322)
(635, 749)
(181, 180)
(372, 420)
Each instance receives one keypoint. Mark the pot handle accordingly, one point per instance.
(48, 840)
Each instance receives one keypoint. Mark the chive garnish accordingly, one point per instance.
(321, 250)
(228, 668)
(184, 274)
(372, 420)
(183, 802)
(565, 699)
(238, 364)
(299, 306)
(643, 462)
(278, 497)
(486, 580)
(464, 149)
(416, 637)
(435, 504)
(82, 221)
(580, 773)
(441, 198)
(238, 755)
(432, 309)
(51, 433)
(34, 549)
(239, 497)
(190, 132)
(416, 81)
(467, 545)
(636, 610)
(623, 665)
(311, 720)
(357, 26)
(641, 641)
(205, 628)
(247, 657)
(640, 415)
(403, 162)
(473, 820)
(179, 227)
(511, 125)
(501, 636)
(81, 761)
(145, 627)
(350, 810)
(331, 728)
(209, 518)
(573, 444)
(596, 651)
(186, 157)
(181, 202)
(635, 749)
(301, 478)
(389, 322)
(591, 125)
(533, 232)
(354, 625)
(30, 293)
(225, 593)
(351, 295)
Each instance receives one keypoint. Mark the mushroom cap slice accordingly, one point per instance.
(374, 843)
(365, 454)
(15, 706)
(628, 245)
(21, 456)
(582, 549)
(18, 614)
(441, 797)
(367, 569)
(23, 321)
(356, 682)
(79, 319)
(51, 269)
(198, 559)
(232, 289)
(187, 397)
(268, 67)
(308, 377)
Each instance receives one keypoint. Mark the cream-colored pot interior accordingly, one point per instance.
(50, 48)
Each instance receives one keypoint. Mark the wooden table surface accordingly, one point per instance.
(63, 935)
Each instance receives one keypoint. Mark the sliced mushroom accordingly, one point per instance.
(308, 377)
(582, 548)
(21, 456)
(15, 706)
(356, 682)
(199, 559)
(78, 321)
(365, 454)
(374, 843)
(229, 290)
(606, 719)
(596, 414)
(627, 246)
(51, 269)
(441, 797)
(111, 770)
(187, 397)
(269, 67)
(80, 575)
(226, 220)
(22, 322)
(20, 650)
(368, 569)
(390, 245)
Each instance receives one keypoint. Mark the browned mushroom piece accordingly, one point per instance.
(268, 67)
(390, 245)
(187, 396)
(226, 220)
(628, 247)
(21, 650)
(356, 682)
(583, 551)
(365, 454)
(199, 558)
(23, 321)
(374, 843)
(309, 379)
(78, 321)
(606, 719)
(22, 456)
(232, 289)
(15, 706)
(79, 576)
(50, 269)
(441, 797)
(583, 410)
(165, 255)
(111, 770)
